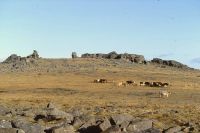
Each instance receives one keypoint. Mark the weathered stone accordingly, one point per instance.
(77, 123)
(77, 112)
(27, 127)
(11, 130)
(173, 129)
(5, 124)
(34, 55)
(114, 129)
(51, 106)
(66, 129)
(12, 58)
(171, 63)
(120, 118)
(104, 125)
(74, 55)
(90, 121)
(139, 59)
(140, 125)
(55, 114)
(112, 55)
(152, 130)
(4, 110)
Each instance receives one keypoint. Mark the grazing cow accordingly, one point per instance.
(97, 81)
(165, 84)
(164, 94)
(121, 84)
(100, 81)
(142, 83)
(157, 84)
(130, 82)
(103, 81)
(148, 84)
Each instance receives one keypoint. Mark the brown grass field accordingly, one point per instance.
(69, 89)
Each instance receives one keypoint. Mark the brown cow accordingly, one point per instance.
(100, 81)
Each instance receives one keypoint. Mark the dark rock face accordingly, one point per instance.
(74, 55)
(13, 58)
(34, 55)
(113, 55)
(18, 59)
(171, 63)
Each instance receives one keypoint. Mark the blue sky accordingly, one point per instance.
(169, 29)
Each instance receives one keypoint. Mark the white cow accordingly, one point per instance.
(164, 94)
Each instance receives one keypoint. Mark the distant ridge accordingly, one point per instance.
(35, 62)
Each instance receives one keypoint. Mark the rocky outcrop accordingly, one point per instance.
(12, 58)
(34, 55)
(17, 59)
(170, 63)
(114, 55)
(74, 55)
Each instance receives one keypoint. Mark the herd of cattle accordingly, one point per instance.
(162, 93)
(131, 82)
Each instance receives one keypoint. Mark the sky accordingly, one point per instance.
(168, 29)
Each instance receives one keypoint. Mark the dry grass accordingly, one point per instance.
(75, 88)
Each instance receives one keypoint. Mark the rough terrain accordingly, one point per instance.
(58, 95)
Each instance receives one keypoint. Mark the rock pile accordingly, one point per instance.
(20, 61)
(15, 58)
(74, 55)
(53, 120)
(113, 55)
(171, 63)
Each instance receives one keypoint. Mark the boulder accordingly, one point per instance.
(34, 55)
(173, 129)
(152, 130)
(120, 118)
(11, 130)
(87, 55)
(140, 125)
(77, 123)
(171, 63)
(5, 124)
(99, 55)
(157, 60)
(112, 55)
(12, 59)
(27, 127)
(114, 129)
(56, 114)
(66, 129)
(139, 59)
(4, 111)
(104, 125)
(74, 55)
